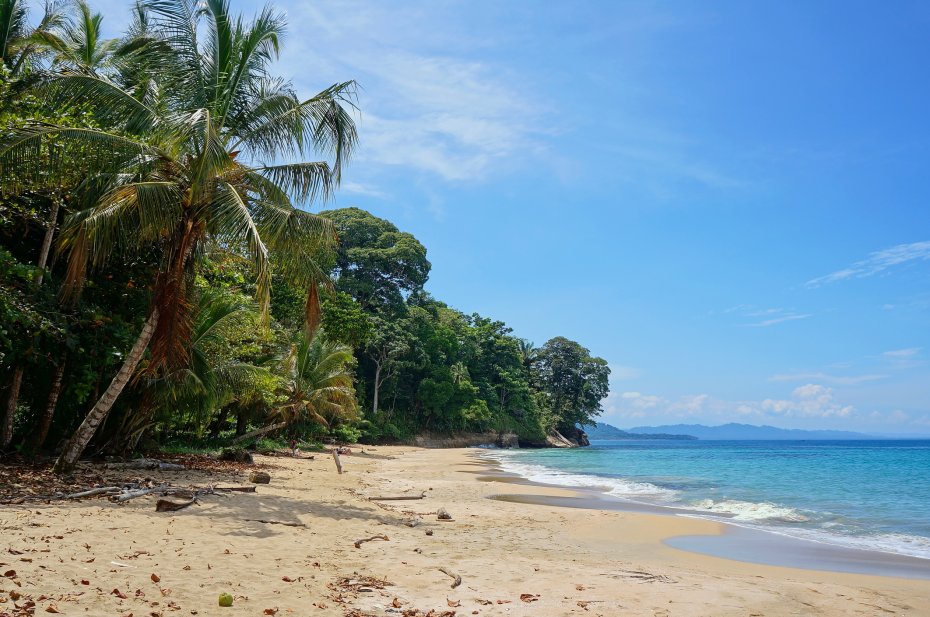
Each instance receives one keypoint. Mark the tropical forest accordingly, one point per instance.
(175, 275)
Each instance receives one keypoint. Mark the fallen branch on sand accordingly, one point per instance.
(164, 505)
(146, 463)
(358, 543)
(261, 520)
(457, 580)
(398, 497)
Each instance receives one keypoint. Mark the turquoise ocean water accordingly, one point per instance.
(862, 494)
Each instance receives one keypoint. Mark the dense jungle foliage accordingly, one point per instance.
(163, 282)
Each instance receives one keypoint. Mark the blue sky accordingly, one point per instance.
(727, 200)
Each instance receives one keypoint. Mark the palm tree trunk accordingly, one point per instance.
(374, 410)
(6, 434)
(6, 431)
(45, 423)
(82, 436)
(259, 431)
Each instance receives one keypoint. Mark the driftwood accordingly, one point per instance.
(358, 543)
(91, 492)
(146, 463)
(142, 492)
(336, 458)
(165, 505)
(457, 580)
(234, 489)
(261, 520)
(398, 497)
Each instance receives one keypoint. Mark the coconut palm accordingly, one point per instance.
(20, 43)
(318, 382)
(317, 385)
(77, 43)
(189, 162)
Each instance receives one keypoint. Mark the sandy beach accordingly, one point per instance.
(288, 549)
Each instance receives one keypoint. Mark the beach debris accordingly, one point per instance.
(145, 463)
(336, 458)
(155, 578)
(453, 603)
(267, 522)
(225, 599)
(412, 522)
(236, 455)
(456, 579)
(443, 515)
(358, 543)
(429, 532)
(644, 577)
(259, 477)
(529, 597)
(398, 497)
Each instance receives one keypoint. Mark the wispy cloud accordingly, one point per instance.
(765, 317)
(902, 354)
(357, 188)
(765, 323)
(877, 262)
(451, 113)
(841, 380)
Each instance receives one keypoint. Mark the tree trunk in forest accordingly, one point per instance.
(6, 434)
(6, 431)
(240, 422)
(377, 387)
(46, 421)
(47, 240)
(259, 431)
(82, 436)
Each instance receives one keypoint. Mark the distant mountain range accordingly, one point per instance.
(606, 431)
(744, 431)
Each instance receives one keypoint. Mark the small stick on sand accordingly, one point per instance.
(260, 520)
(398, 497)
(358, 543)
(336, 458)
(457, 579)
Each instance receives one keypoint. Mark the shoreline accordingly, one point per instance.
(290, 549)
(737, 542)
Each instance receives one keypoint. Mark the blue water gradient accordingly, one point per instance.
(865, 494)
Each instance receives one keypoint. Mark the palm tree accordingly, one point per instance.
(317, 385)
(20, 43)
(190, 163)
(77, 43)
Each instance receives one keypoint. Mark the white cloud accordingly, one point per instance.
(765, 323)
(809, 400)
(844, 380)
(877, 262)
(447, 112)
(902, 354)
(765, 317)
(357, 188)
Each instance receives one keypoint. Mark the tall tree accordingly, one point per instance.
(377, 264)
(575, 383)
(175, 173)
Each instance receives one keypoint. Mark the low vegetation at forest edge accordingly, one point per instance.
(162, 283)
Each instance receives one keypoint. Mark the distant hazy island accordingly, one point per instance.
(606, 431)
(735, 431)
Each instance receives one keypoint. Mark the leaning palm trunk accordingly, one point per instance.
(45, 423)
(6, 434)
(82, 436)
(260, 431)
